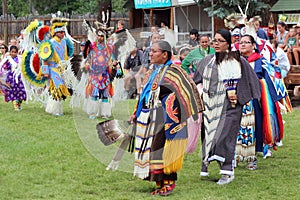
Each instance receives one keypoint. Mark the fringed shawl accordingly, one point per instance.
(178, 81)
(185, 98)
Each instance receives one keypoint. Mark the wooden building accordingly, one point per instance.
(179, 15)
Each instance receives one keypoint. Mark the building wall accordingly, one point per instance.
(189, 17)
(192, 16)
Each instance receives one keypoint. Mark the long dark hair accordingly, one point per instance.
(226, 35)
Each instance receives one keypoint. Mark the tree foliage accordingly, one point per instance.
(17, 7)
(21, 8)
(223, 8)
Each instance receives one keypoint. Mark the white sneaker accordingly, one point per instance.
(204, 174)
(225, 179)
(279, 144)
(268, 154)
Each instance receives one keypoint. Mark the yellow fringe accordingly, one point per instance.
(173, 155)
(57, 93)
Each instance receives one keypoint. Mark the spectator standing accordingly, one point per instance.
(3, 50)
(197, 54)
(259, 31)
(82, 46)
(194, 38)
(146, 56)
(283, 61)
(154, 29)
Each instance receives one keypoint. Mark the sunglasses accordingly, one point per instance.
(2, 47)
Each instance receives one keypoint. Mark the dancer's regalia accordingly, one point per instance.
(11, 84)
(45, 64)
(54, 54)
(262, 125)
(221, 119)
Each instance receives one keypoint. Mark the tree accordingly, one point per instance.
(23, 8)
(18, 8)
(223, 8)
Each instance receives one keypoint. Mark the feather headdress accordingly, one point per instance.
(43, 32)
(233, 20)
(256, 19)
(31, 41)
(58, 24)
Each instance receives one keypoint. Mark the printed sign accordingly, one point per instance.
(152, 3)
(289, 18)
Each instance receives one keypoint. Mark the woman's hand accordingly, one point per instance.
(233, 99)
(132, 119)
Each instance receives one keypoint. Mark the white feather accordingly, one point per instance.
(91, 31)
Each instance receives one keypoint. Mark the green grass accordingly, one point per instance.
(47, 157)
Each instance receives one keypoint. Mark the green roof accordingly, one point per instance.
(286, 5)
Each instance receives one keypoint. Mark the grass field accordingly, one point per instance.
(47, 157)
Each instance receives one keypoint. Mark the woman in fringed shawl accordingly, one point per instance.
(229, 82)
(260, 118)
(168, 99)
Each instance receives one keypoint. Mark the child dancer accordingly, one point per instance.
(15, 92)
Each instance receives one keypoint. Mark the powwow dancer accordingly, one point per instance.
(273, 133)
(168, 99)
(14, 90)
(55, 54)
(259, 115)
(228, 83)
(274, 93)
(99, 65)
(103, 56)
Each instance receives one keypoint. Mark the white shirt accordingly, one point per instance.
(283, 62)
